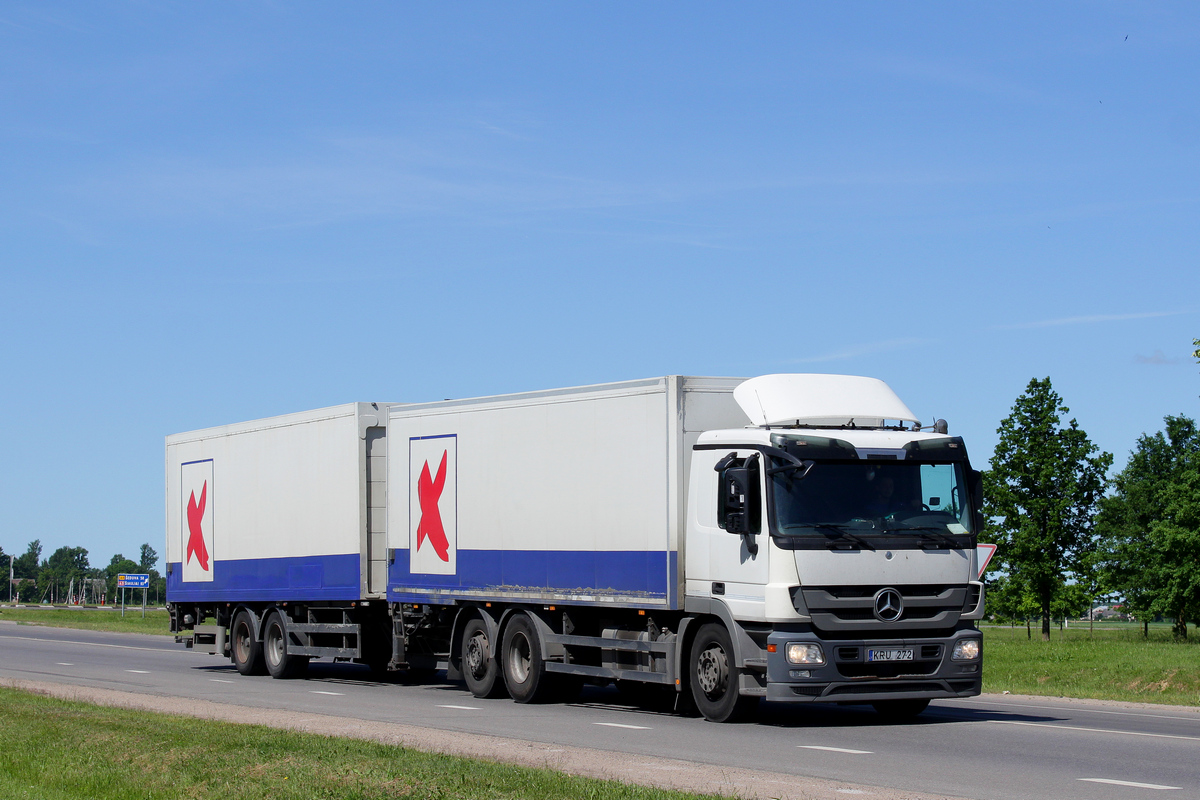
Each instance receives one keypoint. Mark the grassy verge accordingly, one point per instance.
(65, 750)
(1114, 663)
(92, 619)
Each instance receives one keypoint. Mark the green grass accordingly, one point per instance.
(92, 620)
(56, 749)
(1114, 663)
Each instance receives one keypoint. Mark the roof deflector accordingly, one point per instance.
(825, 400)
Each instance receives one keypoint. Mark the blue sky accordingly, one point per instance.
(217, 212)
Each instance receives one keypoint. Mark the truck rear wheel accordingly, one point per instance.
(714, 676)
(899, 710)
(246, 650)
(279, 662)
(480, 667)
(524, 671)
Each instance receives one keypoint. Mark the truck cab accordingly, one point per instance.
(837, 540)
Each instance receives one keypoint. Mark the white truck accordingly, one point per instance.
(794, 538)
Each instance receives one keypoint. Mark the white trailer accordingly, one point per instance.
(725, 540)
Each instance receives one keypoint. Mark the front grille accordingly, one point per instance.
(851, 609)
(809, 691)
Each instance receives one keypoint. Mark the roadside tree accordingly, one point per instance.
(1041, 494)
(1149, 526)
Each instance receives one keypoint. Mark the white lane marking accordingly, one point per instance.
(1084, 709)
(1093, 730)
(64, 664)
(335, 694)
(219, 680)
(1134, 784)
(619, 725)
(463, 708)
(139, 671)
(850, 791)
(93, 644)
(835, 749)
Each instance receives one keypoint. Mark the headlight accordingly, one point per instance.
(798, 653)
(966, 650)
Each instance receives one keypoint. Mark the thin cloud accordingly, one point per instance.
(1158, 358)
(862, 350)
(1084, 320)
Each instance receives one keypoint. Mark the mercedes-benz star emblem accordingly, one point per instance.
(888, 605)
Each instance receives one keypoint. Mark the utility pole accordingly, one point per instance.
(10, 578)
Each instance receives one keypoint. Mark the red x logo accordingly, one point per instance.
(429, 491)
(196, 535)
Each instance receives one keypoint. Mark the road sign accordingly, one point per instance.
(133, 581)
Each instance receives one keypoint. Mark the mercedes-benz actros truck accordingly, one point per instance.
(788, 538)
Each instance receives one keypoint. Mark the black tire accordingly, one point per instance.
(522, 665)
(246, 651)
(480, 668)
(900, 710)
(280, 664)
(714, 676)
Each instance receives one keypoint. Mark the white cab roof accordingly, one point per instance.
(815, 399)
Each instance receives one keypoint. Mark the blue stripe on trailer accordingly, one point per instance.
(640, 573)
(301, 578)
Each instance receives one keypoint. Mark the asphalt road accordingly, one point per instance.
(992, 748)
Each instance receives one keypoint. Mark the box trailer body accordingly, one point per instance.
(280, 509)
(794, 538)
(562, 496)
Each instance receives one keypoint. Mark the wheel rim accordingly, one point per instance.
(275, 645)
(519, 657)
(241, 643)
(477, 655)
(712, 671)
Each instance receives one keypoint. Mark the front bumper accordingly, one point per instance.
(847, 677)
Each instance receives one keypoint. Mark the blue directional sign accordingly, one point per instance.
(133, 581)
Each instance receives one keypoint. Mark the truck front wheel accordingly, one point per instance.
(247, 651)
(479, 665)
(280, 663)
(714, 676)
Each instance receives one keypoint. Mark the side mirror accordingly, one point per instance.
(739, 509)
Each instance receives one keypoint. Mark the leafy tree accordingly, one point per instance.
(149, 558)
(1148, 524)
(65, 565)
(1041, 493)
(26, 565)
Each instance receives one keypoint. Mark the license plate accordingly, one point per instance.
(889, 655)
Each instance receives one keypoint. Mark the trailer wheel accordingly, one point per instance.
(246, 651)
(279, 663)
(524, 671)
(899, 710)
(714, 676)
(480, 667)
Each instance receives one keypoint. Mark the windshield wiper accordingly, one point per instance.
(836, 532)
(930, 534)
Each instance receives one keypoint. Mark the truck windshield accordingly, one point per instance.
(896, 497)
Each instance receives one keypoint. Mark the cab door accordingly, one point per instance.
(726, 564)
